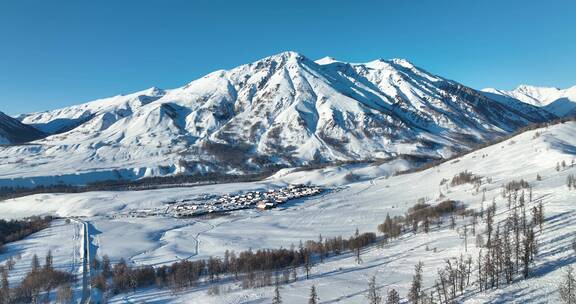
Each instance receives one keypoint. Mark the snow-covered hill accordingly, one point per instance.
(13, 131)
(284, 110)
(157, 240)
(561, 102)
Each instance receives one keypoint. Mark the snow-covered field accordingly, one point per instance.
(349, 205)
(62, 238)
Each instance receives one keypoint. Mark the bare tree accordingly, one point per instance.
(4, 286)
(308, 263)
(64, 294)
(466, 238)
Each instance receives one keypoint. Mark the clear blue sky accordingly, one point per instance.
(58, 53)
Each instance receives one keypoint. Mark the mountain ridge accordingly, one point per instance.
(285, 110)
(13, 131)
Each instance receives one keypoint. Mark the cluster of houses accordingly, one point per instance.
(254, 199)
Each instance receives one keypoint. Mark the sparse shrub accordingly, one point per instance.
(465, 177)
(421, 211)
(516, 185)
(392, 227)
(351, 177)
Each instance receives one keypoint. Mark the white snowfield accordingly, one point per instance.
(349, 205)
(284, 109)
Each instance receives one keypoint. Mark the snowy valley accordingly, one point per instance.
(371, 169)
(546, 164)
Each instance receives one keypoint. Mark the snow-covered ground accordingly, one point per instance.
(347, 206)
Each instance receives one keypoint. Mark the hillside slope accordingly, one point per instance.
(282, 110)
(13, 131)
(159, 240)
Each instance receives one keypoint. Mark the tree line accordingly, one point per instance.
(15, 230)
(251, 268)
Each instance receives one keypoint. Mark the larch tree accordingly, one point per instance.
(313, 296)
(373, 295)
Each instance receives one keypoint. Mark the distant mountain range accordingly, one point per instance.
(284, 110)
(560, 102)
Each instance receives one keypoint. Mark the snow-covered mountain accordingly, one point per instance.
(284, 109)
(561, 102)
(13, 131)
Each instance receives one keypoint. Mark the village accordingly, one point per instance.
(253, 199)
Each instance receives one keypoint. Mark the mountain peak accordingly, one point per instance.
(287, 55)
(326, 60)
(402, 62)
(530, 89)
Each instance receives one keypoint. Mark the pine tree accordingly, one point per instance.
(567, 288)
(373, 295)
(35, 264)
(48, 266)
(541, 218)
(393, 297)
(357, 246)
(416, 287)
(277, 299)
(313, 296)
